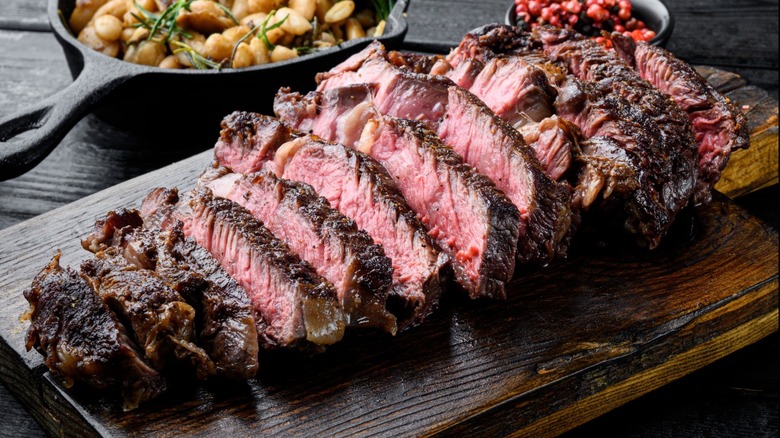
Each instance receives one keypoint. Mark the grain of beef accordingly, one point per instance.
(82, 340)
(464, 123)
(226, 324)
(294, 306)
(339, 251)
(361, 189)
(161, 320)
(652, 178)
(470, 219)
(720, 127)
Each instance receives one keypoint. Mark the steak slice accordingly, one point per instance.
(610, 76)
(82, 340)
(226, 323)
(161, 320)
(293, 305)
(654, 175)
(465, 124)
(361, 189)
(331, 242)
(719, 127)
(470, 219)
(518, 92)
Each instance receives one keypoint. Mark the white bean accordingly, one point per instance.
(353, 29)
(83, 13)
(260, 51)
(171, 62)
(306, 8)
(90, 38)
(243, 56)
(217, 47)
(295, 24)
(281, 53)
(340, 11)
(256, 6)
(108, 27)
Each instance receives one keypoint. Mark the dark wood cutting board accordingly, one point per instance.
(574, 340)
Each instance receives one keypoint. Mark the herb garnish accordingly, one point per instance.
(263, 29)
(382, 8)
(196, 59)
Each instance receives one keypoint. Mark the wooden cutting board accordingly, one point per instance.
(573, 341)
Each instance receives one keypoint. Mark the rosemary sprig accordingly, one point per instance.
(263, 29)
(382, 8)
(197, 60)
(227, 12)
(241, 40)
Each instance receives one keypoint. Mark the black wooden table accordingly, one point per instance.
(736, 396)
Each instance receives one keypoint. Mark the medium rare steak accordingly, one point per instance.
(162, 322)
(247, 145)
(472, 220)
(294, 306)
(331, 242)
(652, 178)
(462, 122)
(226, 323)
(720, 127)
(81, 339)
(361, 189)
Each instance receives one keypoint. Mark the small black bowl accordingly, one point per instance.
(653, 12)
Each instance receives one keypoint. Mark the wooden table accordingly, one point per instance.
(734, 396)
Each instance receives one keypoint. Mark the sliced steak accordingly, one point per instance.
(610, 76)
(246, 145)
(518, 92)
(161, 320)
(361, 189)
(439, 187)
(331, 242)
(645, 198)
(719, 127)
(82, 340)
(464, 123)
(294, 306)
(226, 323)
(471, 220)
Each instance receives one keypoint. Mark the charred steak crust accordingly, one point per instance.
(719, 127)
(660, 154)
(362, 273)
(503, 221)
(225, 321)
(246, 141)
(82, 340)
(410, 303)
(551, 222)
(228, 232)
(161, 320)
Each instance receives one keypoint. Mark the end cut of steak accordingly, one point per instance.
(161, 320)
(655, 141)
(360, 188)
(247, 145)
(470, 219)
(82, 340)
(226, 323)
(331, 242)
(720, 127)
(294, 306)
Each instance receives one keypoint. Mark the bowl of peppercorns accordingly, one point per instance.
(642, 20)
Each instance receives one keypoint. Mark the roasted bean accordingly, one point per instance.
(281, 53)
(295, 23)
(204, 16)
(90, 38)
(353, 29)
(171, 62)
(259, 51)
(108, 27)
(83, 13)
(306, 8)
(243, 56)
(217, 47)
(266, 6)
(340, 11)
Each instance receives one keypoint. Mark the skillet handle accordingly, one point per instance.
(49, 120)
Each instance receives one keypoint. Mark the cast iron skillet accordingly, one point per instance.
(133, 96)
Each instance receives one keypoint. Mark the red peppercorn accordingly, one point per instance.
(534, 8)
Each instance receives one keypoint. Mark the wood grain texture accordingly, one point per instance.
(736, 396)
(566, 333)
